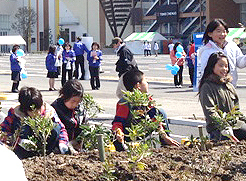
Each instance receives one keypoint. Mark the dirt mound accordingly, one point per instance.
(224, 161)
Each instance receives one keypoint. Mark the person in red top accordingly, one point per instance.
(191, 62)
(178, 78)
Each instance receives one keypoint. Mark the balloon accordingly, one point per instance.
(180, 48)
(61, 41)
(24, 75)
(178, 54)
(174, 72)
(176, 68)
(20, 53)
(169, 66)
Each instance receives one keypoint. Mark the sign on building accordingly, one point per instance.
(167, 13)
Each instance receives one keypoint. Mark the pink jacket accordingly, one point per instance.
(174, 59)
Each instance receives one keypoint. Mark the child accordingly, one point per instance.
(71, 95)
(68, 58)
(15, 68)
(28, 97)
(178, 79)
(50, 66)
(133, 79)
(94, 58)
(214, 40)
(215, 89)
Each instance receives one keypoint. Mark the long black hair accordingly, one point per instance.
(211, 27)
(209, 69)
(175, 46)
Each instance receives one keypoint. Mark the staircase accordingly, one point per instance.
(118, 14)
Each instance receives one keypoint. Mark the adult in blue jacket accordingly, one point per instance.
(79, 49)
(15, 68)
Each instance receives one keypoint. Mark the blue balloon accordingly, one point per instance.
(168, 66)
(61, 41)
(176, 68)
(174, 72)
(20, 53)
(178, 54)
(24, 75)
(180, 48)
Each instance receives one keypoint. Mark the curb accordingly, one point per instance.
(179, 120)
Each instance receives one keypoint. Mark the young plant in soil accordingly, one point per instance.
(142, 126)
(41, 127)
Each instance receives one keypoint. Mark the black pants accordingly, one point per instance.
(148, 52)
(64, 73)
(79, 62)
(178, 79)
(191, 73)
(94, 72)
(145, 52)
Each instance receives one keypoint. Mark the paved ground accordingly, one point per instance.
(181, 102)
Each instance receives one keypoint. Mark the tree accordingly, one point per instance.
(25, 22)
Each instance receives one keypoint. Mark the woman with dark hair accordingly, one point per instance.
(15, 68)
(94, 58)
(215, 90)
(178, 78)
(214, 40)
(50, 66)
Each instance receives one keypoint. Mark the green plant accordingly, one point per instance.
(224, 119)
(88, 135)
(88, 108)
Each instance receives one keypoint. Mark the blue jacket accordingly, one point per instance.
(50, 62)
(80, 48)
(97, 63)
(15, 66)
(69, 54)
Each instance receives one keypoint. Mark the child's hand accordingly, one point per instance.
(119, 135)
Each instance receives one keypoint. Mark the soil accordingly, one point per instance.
(223, 161)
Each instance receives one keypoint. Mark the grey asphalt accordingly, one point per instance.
(179, 103)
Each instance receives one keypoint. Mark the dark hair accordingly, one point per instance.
(30, 96)
(52, 49)
(95, 43)
(70, 89)
(175, 46)
(131, 78)
(211, 27)
(79, 38)
(67, 44)
(15, 47)
(209, 69)
(116, 40)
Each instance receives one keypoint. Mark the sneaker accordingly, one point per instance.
(50, 89)
(190, 86)
(177, 86)
(180, 86)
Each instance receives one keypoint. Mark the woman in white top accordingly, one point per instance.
(156, 48)
(214, 40)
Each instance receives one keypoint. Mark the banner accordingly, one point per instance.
(167, 13)
(197, 37)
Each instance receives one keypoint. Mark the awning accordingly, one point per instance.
(145, 36)
(11, 40)
(236, 33)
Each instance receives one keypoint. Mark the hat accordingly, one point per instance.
(116, 40)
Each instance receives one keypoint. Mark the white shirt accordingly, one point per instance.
(156, 46)
(231, 50)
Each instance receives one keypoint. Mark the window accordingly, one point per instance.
(4, 22)
(73, 36)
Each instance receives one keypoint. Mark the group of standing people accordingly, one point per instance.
(66, 61)
(147, 48)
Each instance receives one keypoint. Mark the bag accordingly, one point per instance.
(23, 73)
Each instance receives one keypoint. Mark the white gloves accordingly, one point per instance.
(228, 132)
(63, 148)
(27, 145)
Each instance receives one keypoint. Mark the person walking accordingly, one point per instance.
(15, 68)
(94, 58)
(145, 48)
(148, 49)
(178, 78)
(50, 66)
(156, 48)
(214, 40)
(68, 58)
(125, 63)
(79, 49)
